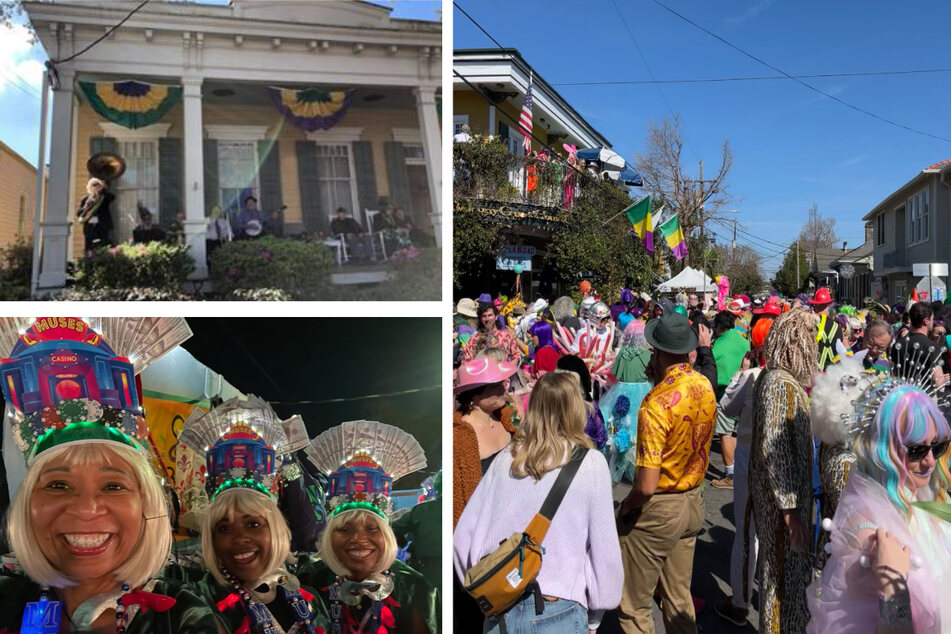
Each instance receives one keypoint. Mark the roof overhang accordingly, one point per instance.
(505, 71)
(899, 193)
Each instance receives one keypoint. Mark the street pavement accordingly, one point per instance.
(711, 564)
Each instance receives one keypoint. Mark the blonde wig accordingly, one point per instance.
(234, 503)
(553, 426)
(791, 345)
(153, 545)
(343, 520)
(94, 181)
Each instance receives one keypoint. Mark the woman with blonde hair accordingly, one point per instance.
(89, 523)
(512, 492)
(245, 540)
(362, 586)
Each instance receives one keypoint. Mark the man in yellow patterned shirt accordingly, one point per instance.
(659, 520)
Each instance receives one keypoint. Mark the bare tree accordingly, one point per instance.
(818, 232)
(696, 201)
(742, 266)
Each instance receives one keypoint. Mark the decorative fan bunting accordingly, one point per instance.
(130, 103)
(311, 108)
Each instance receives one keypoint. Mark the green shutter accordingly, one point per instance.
(210, 160)
(170, 180)
(270, 176)
(99, 144)
(396, 170)
(366, 177)
(314, 218)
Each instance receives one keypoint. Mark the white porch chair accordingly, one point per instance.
(375, 236)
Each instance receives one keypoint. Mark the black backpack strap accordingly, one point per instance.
(557, 493)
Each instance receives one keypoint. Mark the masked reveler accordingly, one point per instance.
(889, 561)
(362, 586)
(89, 524)
(245, 540)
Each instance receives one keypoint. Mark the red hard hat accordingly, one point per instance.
(822, 297)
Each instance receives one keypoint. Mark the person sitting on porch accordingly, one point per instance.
(345, 225)
(218, 232)
(250, 222)
(145, 231)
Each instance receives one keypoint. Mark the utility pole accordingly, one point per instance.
(797, 265)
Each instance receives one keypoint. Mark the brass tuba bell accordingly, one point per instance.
(106, 166)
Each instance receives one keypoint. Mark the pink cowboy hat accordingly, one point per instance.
(484, 371)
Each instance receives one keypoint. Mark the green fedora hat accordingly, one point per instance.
(671, 333)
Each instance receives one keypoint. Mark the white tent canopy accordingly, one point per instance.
(690, 279)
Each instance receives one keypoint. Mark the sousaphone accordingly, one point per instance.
(106, 166)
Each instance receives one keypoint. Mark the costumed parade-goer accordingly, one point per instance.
(245, 539)
(889, 561)
(361, 585)
(421, 527)
(781, 465)
(89, 524)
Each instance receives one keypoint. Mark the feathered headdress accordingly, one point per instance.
(363, 458)
(63, 383)
(243, 441)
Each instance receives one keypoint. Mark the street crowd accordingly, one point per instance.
(832, 421)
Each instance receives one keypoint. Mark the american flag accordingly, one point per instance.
(525, 119)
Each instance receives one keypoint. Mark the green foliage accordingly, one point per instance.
(473, 240)
(159, 266)
(258, 295)
(133, 294)
(595, 239)
(785, 279)
(16, 263)
(298, 268)
(481, 169)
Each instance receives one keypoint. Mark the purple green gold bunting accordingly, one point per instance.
(131, 104)
(311, 108)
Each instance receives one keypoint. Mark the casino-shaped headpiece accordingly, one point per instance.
(243, 443)
(363, 458)
(63, 383)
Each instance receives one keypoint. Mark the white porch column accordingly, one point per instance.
(431, 136)
(194, 181)
(55, 228)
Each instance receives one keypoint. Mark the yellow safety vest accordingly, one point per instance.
(826, 341)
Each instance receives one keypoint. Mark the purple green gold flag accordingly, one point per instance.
(675, 237)
(639, 214)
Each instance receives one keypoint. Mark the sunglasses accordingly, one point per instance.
(918, 452)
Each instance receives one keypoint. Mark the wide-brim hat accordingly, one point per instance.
(671, 333)
(822, 297)
(467, 307)
(771, 307)
(735, 307)
(480, 372)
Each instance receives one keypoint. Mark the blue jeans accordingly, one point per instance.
(561, 616)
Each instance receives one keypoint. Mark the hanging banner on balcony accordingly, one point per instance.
(311, 108)
(132, 104)
(514, 257)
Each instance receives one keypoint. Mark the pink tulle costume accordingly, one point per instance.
(845, 598)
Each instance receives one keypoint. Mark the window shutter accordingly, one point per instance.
(396, 170)
(270, 176)
(366, 176)
(170, 180)
(210, 160)
(98, 144)
(314, 219)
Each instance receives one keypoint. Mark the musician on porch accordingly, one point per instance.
(95, 216)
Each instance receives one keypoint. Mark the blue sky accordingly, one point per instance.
(21, 72)
(792, 146)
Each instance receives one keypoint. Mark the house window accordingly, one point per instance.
(918, 217)
(138, 185)
(335, 174)
(413, 153)
(237, 172)
(459, 120)
(880, 229)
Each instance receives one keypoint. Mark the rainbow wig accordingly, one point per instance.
(906, 417)
(542, 330)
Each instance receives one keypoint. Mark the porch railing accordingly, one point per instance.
(522, 180)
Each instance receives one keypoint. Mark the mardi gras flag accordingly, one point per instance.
(675, 237)
(640, 216)
(311, 108)
(132, 104)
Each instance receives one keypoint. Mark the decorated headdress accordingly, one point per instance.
(846, 397)
(244, 444)
(63, 383)
(363, 458)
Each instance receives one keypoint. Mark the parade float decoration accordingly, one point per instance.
(598, 358)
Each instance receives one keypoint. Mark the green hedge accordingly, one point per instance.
(16, 262)
(158, 266)
(298, 269)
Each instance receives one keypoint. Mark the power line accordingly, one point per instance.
(799, 81)
(101, 37)
(651, 73)
(713, 80)
(360, 398)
